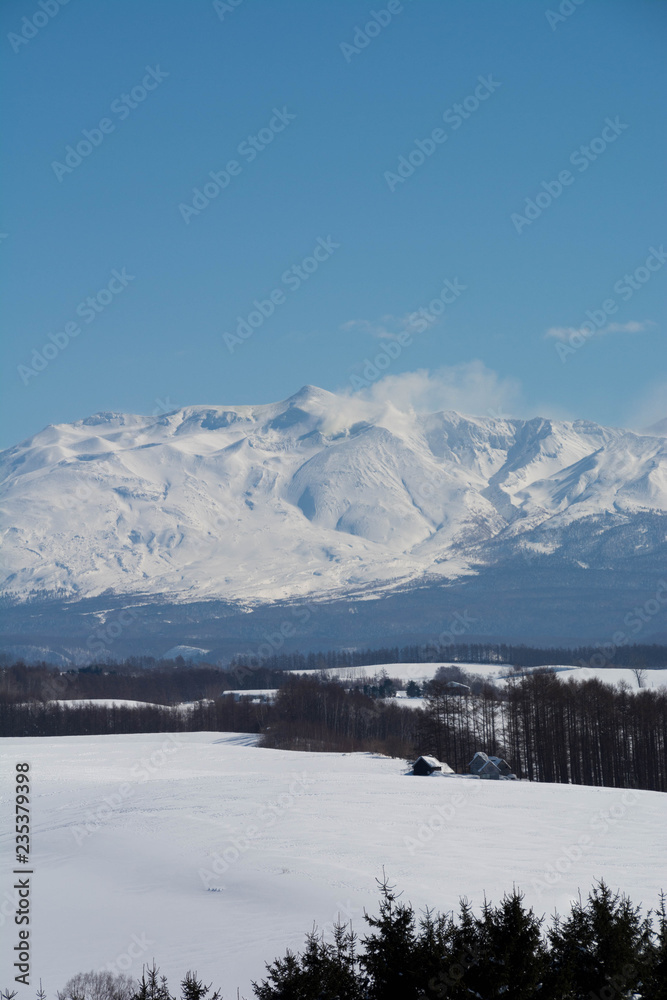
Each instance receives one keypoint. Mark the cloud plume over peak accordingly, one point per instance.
(469, 387)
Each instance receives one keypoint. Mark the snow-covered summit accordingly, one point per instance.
(320, 494)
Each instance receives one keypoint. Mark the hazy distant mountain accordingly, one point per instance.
(321, 496)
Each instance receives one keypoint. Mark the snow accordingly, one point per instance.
(104, 703)
(253, 692)
(187, 652)
(160, 807)
(498, 673)
(312, 496)
(431, 761)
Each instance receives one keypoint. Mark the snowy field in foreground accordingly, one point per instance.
(495, 671)
(175, 802)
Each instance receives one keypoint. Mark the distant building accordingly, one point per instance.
(427, 765)
(457, 688)
(258, 696)
(489, 767)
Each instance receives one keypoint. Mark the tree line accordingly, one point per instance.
(164, 683)
(548, 729)
(603, 948)
(462, 652)
(53, 718)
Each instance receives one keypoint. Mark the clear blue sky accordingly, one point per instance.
(160, 341)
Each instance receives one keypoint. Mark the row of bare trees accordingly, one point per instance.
(584, 732)
(548, 729)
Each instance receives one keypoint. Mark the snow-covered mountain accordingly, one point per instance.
(319, 495)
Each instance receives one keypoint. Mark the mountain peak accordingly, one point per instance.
(316, 494)
(311, 393)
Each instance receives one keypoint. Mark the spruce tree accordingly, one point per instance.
(512, 953)
(324, 971)
(597, 948)
(391, 956)
(152, 986)
(654, 983)
(194, 989)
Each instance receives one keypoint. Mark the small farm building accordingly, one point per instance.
(490, 767)
(427, 765)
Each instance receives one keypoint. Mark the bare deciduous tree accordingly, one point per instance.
(97, 986)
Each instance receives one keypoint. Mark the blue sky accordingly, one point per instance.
(179, 88)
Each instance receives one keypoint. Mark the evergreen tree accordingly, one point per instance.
(655, 972)
(194, 989)
(152, 986)
(599, 947)
(324, 971)
(391, 956)
(512, 955)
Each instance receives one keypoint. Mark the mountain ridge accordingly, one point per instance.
(316, 496)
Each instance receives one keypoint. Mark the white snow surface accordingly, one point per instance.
(313, 832)
(104, 703)
(498, 673)
(320, 494)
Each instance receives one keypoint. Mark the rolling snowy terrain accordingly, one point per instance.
(421, 672)
(324, 498)
(127, 832)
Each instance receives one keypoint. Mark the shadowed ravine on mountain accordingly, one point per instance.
(196, 516)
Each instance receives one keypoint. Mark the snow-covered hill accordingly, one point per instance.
(131, 832)
(497, 673)
(319, 495)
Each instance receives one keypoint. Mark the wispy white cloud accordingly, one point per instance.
(469, 387)
(386, 327)
(648, 408)
(565, 332)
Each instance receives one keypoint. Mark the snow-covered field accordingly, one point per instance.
(421, 672)
(104, 703)
(128, 832)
